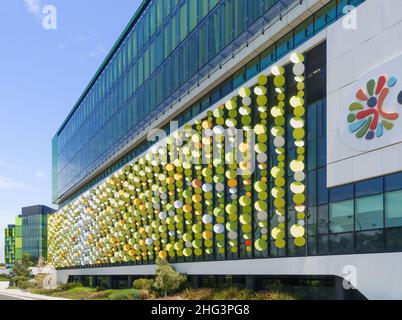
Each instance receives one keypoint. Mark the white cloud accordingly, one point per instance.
(40, 174)
(99, 51)
(10, 183)
(33, 6)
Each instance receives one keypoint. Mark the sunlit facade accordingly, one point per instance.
(34, 231)
(313, 204)
(9, 246)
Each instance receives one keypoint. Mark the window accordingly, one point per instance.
(393, 239)
(284, 45)
(369, 187)
(238, 78)
(341, 193)
(393, 209)
(312, 221)
(322, 219)
(323, 244)
(304, 31)
(322, 195)
(252, 69)
(369, 213)
(268, 57)
(341, 243)
(370, 241)
(393, 182)
(341, 216)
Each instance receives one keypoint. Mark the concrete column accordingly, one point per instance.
(92, 283)
(110, 282)
(250, 282)
(130, 281)
(195, 281)
(339, 290)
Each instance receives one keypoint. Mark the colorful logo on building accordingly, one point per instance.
(367, 118)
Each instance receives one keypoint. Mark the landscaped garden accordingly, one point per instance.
(167, 284)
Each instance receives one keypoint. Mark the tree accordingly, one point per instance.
(167, 280)
(21, 272)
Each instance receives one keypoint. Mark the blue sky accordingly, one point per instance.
(42, 74)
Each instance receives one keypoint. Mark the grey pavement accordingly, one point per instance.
(17, 294)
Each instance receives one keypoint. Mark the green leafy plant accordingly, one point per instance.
(4, 277)
(233, 294)
(273, 295)
(69, 286)
(167, 280)
(21, 272)
(129, 294)
(198, 294)
(143, 284)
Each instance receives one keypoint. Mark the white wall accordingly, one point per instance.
(377, 276)
(354, 56)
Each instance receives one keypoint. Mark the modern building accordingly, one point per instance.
(18, 237)
(34, 230)
(9, 246)
(314, 193)
(13, 242)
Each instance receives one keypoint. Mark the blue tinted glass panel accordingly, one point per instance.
(341, 216)
(341, 243)
(370, 241)
(322, 191)
(372, 186)
(393, 182)
(393, 209)
(369, 213)
(341, 193)
(393, 239)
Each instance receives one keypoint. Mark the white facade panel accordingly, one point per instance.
(372, 50)
(377, 276)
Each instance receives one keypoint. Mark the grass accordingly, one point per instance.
(85, 293)
(233, 294)
(3, 278)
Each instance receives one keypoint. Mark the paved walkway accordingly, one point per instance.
(17, 294)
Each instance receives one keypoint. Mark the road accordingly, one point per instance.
(4, 297)
(16, 294)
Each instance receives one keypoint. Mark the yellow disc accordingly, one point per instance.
(230, 105)
(300, 242)
(244, 92)
(280, 243)
(262, 79)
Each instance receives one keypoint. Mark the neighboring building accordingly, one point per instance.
(9, 246)
(325, 198)
(18, 237)
(34, 230)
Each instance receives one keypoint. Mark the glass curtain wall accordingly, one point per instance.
(170, 43)
(310, 27)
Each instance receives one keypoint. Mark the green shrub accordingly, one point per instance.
(167, 279)
(233, 294)
(69, 285)
(99, 295)
(46, 292)
(143, 284)
(77, 293)
(4, 277)
(273, 295)
(26, 285)
(198, 294)
(129, 294)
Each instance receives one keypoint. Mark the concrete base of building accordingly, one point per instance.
(376, 276)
